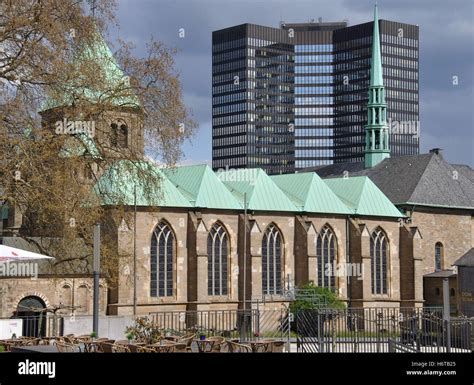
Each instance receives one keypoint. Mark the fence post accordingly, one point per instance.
(391, 348)
(321, 342)
(447, 313)
(290, 319)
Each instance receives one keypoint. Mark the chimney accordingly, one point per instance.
(437, 151)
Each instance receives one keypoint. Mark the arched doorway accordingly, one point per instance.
(32, 310)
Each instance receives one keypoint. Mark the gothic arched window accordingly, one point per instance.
(379, 261)
(162, 261)
(326, 255)
(271, 261)
(217, 253)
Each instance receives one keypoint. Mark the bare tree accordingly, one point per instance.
(69, 110)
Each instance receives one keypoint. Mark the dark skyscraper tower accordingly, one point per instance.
(296, 96)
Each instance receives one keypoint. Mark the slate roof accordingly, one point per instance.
(441, 274)
(425, 179)
(466, 260)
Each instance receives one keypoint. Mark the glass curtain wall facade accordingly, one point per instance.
(352, 55)
(314, 93)
(293, 97)
(253, 99)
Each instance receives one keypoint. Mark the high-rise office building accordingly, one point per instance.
(296, 96)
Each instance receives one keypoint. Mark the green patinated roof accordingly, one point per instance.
(309, 193)
(201, 186)
(97, 52)
(376, 78)
(262, 192)
(198, 186)
(362, 196)
(117, 186)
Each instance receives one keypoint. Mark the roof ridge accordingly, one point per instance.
(431, 156)
(460, 177)
(364, 186)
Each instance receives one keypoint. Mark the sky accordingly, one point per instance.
(446, 51)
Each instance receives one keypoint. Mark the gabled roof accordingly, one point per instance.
(362, 196)
(466, 260)
(117, 186)
(200, 185)
(441, 274)
(262, 193)
(96, 52)
(425, 179)
(310, 194)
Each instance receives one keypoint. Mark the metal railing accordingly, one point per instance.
(245, 325)
(380, 330)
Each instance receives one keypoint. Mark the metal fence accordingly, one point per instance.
(245, 325)
(381, 330)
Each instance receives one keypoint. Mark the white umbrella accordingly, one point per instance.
(8, 254)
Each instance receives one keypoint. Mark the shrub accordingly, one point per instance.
(327, 299)
(143, 330)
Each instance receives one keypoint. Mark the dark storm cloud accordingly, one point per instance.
(446, 50)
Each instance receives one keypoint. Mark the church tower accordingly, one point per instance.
(376, 131)
(115, 128)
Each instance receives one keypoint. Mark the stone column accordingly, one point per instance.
(417, 266)
(312, 257)
(366, 264)
(256, 260)
(202, 262)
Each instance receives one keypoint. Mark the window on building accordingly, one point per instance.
(162, 261)
(437, 291)
(82, 299)
(439, 251)
(123, 136)
(326, 254)
(66, 296)
(113, 134)
(271, 261)
(119, 135)
(379, 261)
(217, 253)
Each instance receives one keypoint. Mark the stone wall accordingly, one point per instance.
(53, 292)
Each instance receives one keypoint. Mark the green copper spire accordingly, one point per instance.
(376, 130)
(376, 66)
